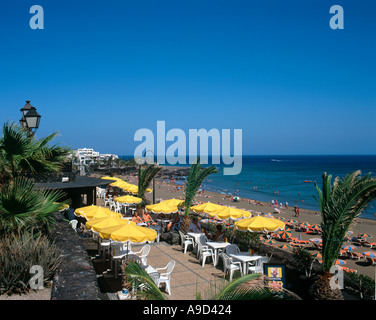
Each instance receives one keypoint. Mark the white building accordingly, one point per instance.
(89, 156)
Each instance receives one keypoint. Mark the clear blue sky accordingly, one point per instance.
(100, 70)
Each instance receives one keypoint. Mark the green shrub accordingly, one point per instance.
(24, 207)
(304, 260)
(363, 283)
(18, 252)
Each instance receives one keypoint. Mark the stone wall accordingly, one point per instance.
(75, 278)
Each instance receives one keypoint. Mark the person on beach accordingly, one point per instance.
(219, 235)
(297, 211)
(195, 226)
(136, 218)
(147, 218)
(174, 222)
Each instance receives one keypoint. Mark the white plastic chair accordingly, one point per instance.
(230, 266)
(185, 241)
(112, 205)
(143, 253)
(204, 252)
(202, 239)
(232, 248)
(257, 267)
(166, 276)
(117, 207)
(73, 224)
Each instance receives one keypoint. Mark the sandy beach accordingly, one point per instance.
(167, 189)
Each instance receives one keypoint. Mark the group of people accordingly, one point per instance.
(143, 217)
(195, 226)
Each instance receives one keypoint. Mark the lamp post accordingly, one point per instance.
(30, 118)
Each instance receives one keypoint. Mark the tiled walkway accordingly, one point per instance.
(187, 278)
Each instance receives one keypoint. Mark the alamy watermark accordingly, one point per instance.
(176, 152)
(335, 22)
(37, 279)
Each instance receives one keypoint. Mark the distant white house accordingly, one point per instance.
(88, 156)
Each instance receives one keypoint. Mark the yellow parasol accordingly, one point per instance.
(128, 199)
(100, 223)
(207, 207)
(132, 188)
(161, 208)
(120, 184)
(259, 224)
(128, 232)
(63, 206)
(174, 202)
(110, 178)
(229, 212)
(95, 212)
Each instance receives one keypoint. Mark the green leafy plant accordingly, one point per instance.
(340, 204)
(304, 260)
(24, 207)
(145, 176)
(20, 251)
(141, 283)
(22, 154)
(364, 283)
(196, 176)
(239, 289)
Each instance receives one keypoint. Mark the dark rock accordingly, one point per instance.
(75, 278)
(171, 237)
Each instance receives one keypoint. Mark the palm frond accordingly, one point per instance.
(145, 176)
(24, 206)
(142, 282)
(21, 154)
(340, 204)
(196, 176)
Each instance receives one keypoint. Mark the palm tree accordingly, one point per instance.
(340, 204)
(22, 154)
(24, 207)
(196, 176)
(145, 176)
(239, 289)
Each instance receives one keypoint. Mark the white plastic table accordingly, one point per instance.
(245, 258)
(216, 246)
(163, 222)
(196, 236)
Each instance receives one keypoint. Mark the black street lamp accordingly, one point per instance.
(30, 117)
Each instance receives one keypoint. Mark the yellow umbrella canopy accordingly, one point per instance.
(110, 178)
(129, 231)
(63, 206)
(100, 223)
(134, 189)
(174, 202)
(207, 208)
(82, 210)
(162, 207)
(259, 224)
(228, 212)
(128, 199)
(120, 184)
(94, 212)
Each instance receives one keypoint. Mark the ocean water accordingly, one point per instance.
(285, 178)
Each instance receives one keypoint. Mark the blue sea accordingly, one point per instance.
(286, 178)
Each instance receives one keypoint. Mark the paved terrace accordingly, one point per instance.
(187, 278)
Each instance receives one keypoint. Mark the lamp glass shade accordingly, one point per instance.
(32, 119)
(27, 107)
